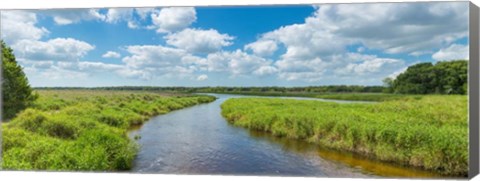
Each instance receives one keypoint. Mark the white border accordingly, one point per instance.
(84, 176)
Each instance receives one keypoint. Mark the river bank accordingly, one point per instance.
(77, 130)
(429, 133)
(199, 140)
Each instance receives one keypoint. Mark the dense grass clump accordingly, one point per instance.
(83, 130)
(429, 132)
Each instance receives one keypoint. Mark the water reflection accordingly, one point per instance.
(367, 166)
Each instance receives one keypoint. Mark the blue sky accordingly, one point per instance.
(348, 44)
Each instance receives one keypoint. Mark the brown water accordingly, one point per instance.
(198, 140)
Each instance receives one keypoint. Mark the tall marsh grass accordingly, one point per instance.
(428, 132)
(83, 130)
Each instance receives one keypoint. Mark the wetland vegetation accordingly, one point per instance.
(428, 132)
(83, 130)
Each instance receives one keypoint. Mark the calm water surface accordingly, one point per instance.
(198, 140)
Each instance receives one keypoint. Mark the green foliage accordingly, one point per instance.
(82, 130)
(428, 132)
(425, 78)
(16, 92)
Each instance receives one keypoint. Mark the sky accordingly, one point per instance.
(302, 45)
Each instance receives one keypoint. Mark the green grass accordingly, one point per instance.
(83, 130)
(428, 132)
(376, 97)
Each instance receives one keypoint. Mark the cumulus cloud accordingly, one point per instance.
(317, 48)
(17, 25)
(236, 63)
(132, 16)
(143, 13)
(149, 61)
(153, 56)
(202, 77)
(58, 49)
(135, 74)
(36, 64)
(71, 16)
(453, 52)
(111, 54)
(265, 70)
(390, 27)
(199, 41)
(262, 47)
(115, 15)
(370, 66)
(301, 69)
(98, 66)
(173, 19)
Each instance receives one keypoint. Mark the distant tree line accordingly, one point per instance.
(446, 77)
(310, 89)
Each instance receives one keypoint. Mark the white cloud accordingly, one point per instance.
(202, 77)
(132, 24)
(235, 63)
(111, 54)
(98, 66)
(262, 47)
(58, 73)
(265, 70)
(300, 69)
(115, 15)
(370, 66)
(453, 52)
(199, 41)
(317, 50)
(143, 13)
(17, 25)
(112, 15)
(36, 64)
(389, 27)
(173, 19)
(71, 16)
(59, 49)
(153, 56)
(134, 73)
(150, 61)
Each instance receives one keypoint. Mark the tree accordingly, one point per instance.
(448, 77)
(388, 83)
(16, 92)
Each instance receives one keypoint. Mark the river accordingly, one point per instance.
(198, 140)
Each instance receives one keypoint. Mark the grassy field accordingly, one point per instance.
(428, 132)
(83, 130)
